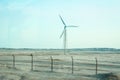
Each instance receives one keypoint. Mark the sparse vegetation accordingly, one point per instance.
(84, 65)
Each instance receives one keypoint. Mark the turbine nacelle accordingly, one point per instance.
(65, 29)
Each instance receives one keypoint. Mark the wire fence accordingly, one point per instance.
(68, 64)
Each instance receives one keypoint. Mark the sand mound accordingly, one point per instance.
(108, 76)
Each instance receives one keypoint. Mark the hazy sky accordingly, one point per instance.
(36, 24)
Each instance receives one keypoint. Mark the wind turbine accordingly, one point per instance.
(65, 33)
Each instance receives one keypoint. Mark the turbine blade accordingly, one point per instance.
(62, 33)
(72, 26)
(62, 20)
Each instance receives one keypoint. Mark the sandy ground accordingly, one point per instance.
(84, 65)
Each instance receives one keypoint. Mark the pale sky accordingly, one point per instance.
(36, 24)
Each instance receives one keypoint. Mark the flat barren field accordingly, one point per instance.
(54, 65)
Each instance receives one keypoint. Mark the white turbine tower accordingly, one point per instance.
(65, 34)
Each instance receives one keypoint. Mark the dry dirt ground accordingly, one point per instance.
(84, 65)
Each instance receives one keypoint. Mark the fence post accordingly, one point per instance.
(72, 64)
(13, 61)
(96, 66)
(51, 63)
(31, 61)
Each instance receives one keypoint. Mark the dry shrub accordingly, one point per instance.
(108, 76)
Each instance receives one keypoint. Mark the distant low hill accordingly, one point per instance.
(76, 49)
(97, 49)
